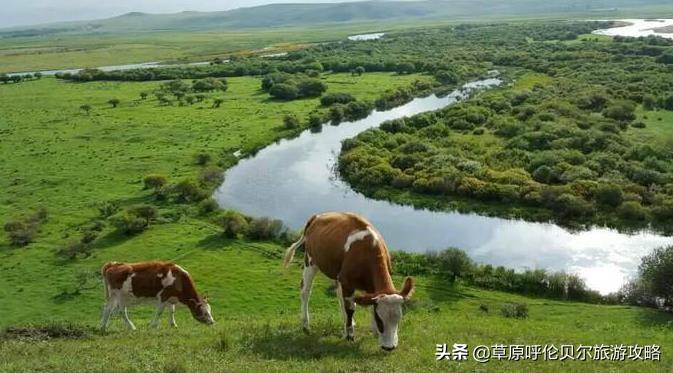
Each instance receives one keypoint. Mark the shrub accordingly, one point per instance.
(202, 158)
(21, 233)
(631, 210)
(108, 208)
(154, 181)
(265, 228)
(290, 121)
(129, 224)
(621, 110)
(284, 91)
(609, 195)
(233, 224)
(74, 249)
(211, 176)
(515, 310)
(146, 212)
(187, 191)
(208, 205)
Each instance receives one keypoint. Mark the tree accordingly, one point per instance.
(4, 78)
(86, 108)
(656, 272)
(16, 78)
(406, 68)
(38, 75)
(359, 70)
(114, 102)
(610, 195)
(217, 102)
(284, 91)
(454, 263)
(311, 88)
(446, 77)
(209, 84)
(190, 100)
(143, 95)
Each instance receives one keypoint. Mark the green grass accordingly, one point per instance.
(256, 307)
(658, 127)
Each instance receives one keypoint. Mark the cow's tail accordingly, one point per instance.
(289, 254)
(106, 286)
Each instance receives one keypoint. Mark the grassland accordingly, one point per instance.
(256, 309)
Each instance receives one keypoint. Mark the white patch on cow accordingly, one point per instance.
(127, 286)
(168, 280)
(389, 310)
(356, 236)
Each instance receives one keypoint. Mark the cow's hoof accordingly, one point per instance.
(350, 338)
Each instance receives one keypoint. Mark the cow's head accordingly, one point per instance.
(387, 312)
(201, 310)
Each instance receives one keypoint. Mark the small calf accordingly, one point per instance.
(163, 282)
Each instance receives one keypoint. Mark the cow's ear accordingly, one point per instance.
(407, 288)
(366, 299)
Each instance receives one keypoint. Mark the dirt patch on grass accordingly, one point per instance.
(43, 332)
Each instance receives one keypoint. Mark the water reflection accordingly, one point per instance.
(641, 27)
(293, 179)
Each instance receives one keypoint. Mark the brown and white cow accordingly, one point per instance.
(347, 248)
(165, 283)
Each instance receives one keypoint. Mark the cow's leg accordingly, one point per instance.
(306, 284)
(172, 320)
(347, 309)
(160, 309)
(125, 316)
(108, 308)
(375, 328)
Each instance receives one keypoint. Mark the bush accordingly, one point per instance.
(202, 158)
(187, 191)
(21, 233)
(515, 310)
(108, 208)
(233, 224)
(631, 210)
(265, 229)
(284, 91)
(154, 181)
(208, 205)
(146, 212)
(74, 249)
(290, 121)
(609, 195)
(211, 176)
(129, 224)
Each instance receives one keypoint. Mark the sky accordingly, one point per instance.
(31, 12)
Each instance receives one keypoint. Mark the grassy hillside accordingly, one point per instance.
(257, 312)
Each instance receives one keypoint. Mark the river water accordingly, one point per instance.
(641, 27)
(293, 179)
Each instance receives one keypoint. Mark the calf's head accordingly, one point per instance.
(201, 310)
(387, 312)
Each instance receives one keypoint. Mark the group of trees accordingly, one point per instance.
(285, 86)
(653, 284)
(18, 78)
(454, 264)
(568, 145)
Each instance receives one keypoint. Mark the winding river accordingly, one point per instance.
(641, 27)
(293, 179)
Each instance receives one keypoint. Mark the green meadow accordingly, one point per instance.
(57, 156)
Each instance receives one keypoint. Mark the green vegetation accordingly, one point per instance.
(562, 139)
(120, 166)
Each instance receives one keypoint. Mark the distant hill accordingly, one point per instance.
(313, 14)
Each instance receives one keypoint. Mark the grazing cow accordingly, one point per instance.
(163, 282)
(348, 249)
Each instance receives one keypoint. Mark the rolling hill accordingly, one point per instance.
(275, 15)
